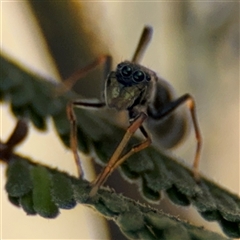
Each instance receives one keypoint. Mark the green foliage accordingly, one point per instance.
(62, 191)
(42, 192)
(135, 220)
(19, 179)
(156, 171)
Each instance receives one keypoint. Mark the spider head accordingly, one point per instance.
(129, 85)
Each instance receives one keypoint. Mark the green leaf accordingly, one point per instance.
(177, 197)
(131, 220)
(26, 203)
(135, 220)
(14, 201)
(18, 178)
(43, 201)
(62, 191)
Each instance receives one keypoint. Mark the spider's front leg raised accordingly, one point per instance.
(68, 84)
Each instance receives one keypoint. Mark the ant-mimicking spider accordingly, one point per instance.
(146, 97)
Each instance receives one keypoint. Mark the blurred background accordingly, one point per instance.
(195, 47)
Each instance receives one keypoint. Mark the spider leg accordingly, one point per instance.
(137, 148)
(142, 44)
(70, 81)
(67, 85)
(73, 128)
(169, 108)
(115, 160)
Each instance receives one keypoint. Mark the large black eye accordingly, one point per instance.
(148, 78)
(126, 71)
(120, 65)
(138, 76)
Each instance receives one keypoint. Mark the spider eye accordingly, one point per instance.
(126, 71)
(120, 65)
(138, 76)
(148, 78)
